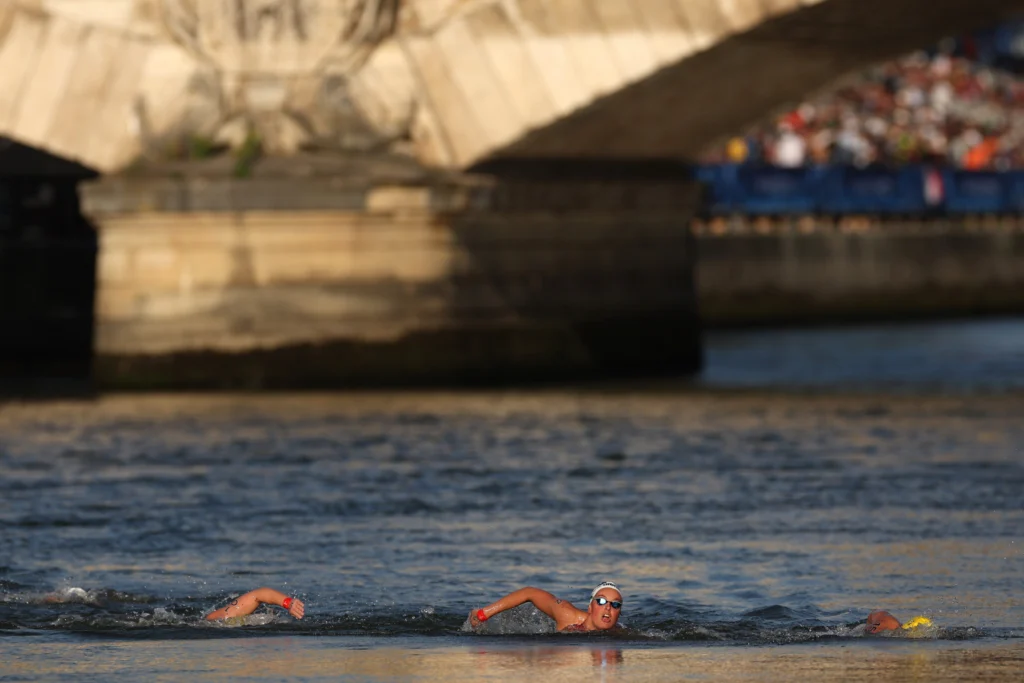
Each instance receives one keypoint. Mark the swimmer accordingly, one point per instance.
(247, 604)
(602, 612)
(881, 621)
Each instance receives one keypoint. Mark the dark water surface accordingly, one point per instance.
(775, 503)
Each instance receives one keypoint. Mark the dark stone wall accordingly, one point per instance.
(608, 256)
(821, 272)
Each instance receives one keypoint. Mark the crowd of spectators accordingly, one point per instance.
(935, 107)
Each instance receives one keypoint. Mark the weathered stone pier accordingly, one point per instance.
(320, 281)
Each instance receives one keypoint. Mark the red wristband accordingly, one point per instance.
(286, 603)
(480, 615)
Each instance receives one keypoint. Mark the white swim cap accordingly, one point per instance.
(605, 584)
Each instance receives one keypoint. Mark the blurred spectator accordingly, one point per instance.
(790, 149)
(736, 151)
(939, 107)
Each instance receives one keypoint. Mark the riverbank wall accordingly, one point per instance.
(812, 271)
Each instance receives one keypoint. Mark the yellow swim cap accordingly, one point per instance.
(917, 621)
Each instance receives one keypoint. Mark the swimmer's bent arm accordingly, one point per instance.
(561, 611)
(247, 604)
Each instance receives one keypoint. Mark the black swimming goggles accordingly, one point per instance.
(602, 601)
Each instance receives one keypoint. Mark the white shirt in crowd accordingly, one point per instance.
(790, 150)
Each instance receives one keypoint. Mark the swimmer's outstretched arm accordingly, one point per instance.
(247, 604)
(561, 611)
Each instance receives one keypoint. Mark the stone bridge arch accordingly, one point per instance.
(651, 78)
(453, 82)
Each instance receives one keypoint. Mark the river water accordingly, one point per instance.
(753, 518)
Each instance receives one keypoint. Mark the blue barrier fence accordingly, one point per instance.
(841, 190)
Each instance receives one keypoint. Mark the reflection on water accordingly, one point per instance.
(307, 659)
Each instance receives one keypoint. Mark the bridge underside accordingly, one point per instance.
(680, 109)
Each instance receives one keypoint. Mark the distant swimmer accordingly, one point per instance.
(247, 604)
(602, 612)
(881, 621)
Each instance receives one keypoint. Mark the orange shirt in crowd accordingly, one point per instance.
(980, 156)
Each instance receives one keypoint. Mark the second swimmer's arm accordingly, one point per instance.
(247, 604)
(544, 601)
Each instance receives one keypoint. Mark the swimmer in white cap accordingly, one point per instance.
(601, 614)
(247, 604)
